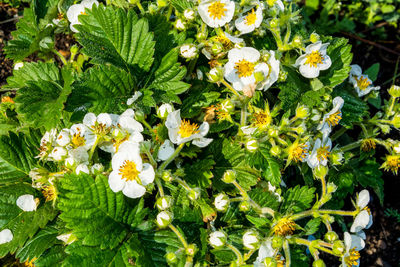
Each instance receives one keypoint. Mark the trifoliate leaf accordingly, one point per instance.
(297, 199)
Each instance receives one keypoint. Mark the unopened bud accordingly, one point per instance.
(188, 14)
(180, 25)
(244, 206)
(331, 188)
(163, 203)
(162, 3)
(301, 112)
(221, 202)
(164, 218)
(227, 105)
(194, 194)
(270, 262)
(338, 247)
(252, 145)
(277, 242)
(273, 132)
(229, 176)
(164, 110)
(318, 263)
(166, 176)
(282, 76)
(275, 151)
(217, 239)
(216, 75)
(201, 37)
(321, 171)
(394, 91)
(191, 250)
(251, 240)
(331, 236)
(97, 168)
(217, 48)
(297, 41)
(171, 258)
(396, 121)
(273, 23)
(314, 37)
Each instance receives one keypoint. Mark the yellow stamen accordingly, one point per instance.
(392, 163)
(334, 118)
(49, 193)
(251, 18)
(129, 172)
(323, 153)
(222, 114)
(284, 227)
(83, 13)
(224, 40)
(244, 68)
(299, 152)
(261, 119)
(368, 144)
(7, 99)
(29, 263)
(367, 209)
(314, 58)
(280, 262)
(188, 129)
(362, 82)
(353, 257)
(78, 140)
(217, 10)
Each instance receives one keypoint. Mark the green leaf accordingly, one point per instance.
(224, 255)
(100, 89)
(40, 103)
(312, 226)
(51, 257)
(201, 96)
(198, 173)
(271, 168)
(94, 213)
(292, 90)
(16, 158)
(22, 224)
(354, 108)
(373, 71)
(111, 35)
(35, 246)
(181, 5)
(297, 199)
(34, 71)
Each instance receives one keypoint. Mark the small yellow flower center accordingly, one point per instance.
(222, 114)
(261, 119)
(284, 227)
(7, 99)
(100, 128)
(314, 58)
(392, 163)
(217, 10)
(187, 129)
(322, 153)
(362, 82)
(49, 192)
(251, 18)
(83, 13)
(368, 144)
(299, 152)
(334, 118)
(224, 40)
(244, 68)
(129, 172)
(29, 263)
(77, 140)
(353, 257)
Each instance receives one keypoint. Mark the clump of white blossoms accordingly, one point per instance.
(27, 202)
(314, 60)
(129, 174)
(361, 82)
(79, 9)
(332, 118)
(250, 21)
(181, 131)
(216, 13)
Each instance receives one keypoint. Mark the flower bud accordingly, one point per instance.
(164, 110)
(164, 218)
(171, 258)
(227, 105)
(270, 262)
(217, 48)
(331, 236)
(97, 168)
(321, 171)
(221, 202)
(394, 91)
(275, 151)
(217, 239)
(277, 242)
(251, 240)
(188, 14)
(139, 115)
(331, 188)
(166, 176)
(191, 249)
(229, 176)
(282, 76)
(18, 65)
(216, 74)
(162, 3)
(201, 37)
(180, 25)
(82, 168)
(194, 194)
(301, 112)
(336, 157)
(273, 132)
(314, 37)
(318, 263)
(338, 247)
(252, 145)
(188, 51)
(70, 163)
(297, 41)
(244, 206)
(273, 23)
(163, 203)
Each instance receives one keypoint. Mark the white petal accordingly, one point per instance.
(104, 118)
(363, 199)
(309, 71)
(166, 150)
(360, 222)
(173, 119)
(204, 128)
(26, 203)
(89, 119)
(347, 241)
(313, 47)
(130, 124)
(115, 181)
(326, 63)
(202, 142)
(6, 236)
(357, 242)
(74, 11)
(133, 190)
(147, 174)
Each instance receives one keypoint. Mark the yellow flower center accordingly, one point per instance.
(77, 140)
(49, 192)
(100, 128)
(362, 82)
(244, 68)
(251, 18)
(224, 40)
(7, 99)
(368, 144)
(222, 114)
(187, 129)
(314, 58)
(392, 163)
(83, 13)
(334, 118)
(29, 263)
(129, 172)
(217, 10)
(261, 119)
(322, 153)
(353, 257)
(299, 152)
(279, 261)
(284, 227)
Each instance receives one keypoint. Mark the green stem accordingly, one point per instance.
(242, 191)
(169, 13)
(350, 146)
(182, 183)
(160, 187)
(171, 158)
(286, 249)
(94, 147)
(139, 5)
(230, 87)
(338, 133)
(179, 235)
(307, 213)
(237, 253)
(243, 115)
(392, 102)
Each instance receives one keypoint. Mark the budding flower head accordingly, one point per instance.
(297, 41)
(164, 218)
(275, 151)
(314, 37)
(162, 3)
(331, 188)
(164, 110)
(188, 51)
(320, 171)
(221, 202)
(191, 249)
(251, 240)
(194, 194)
(227, 105)
(171, 258)
(396, 121)
(284, 227)
(216, 74)
(229, 176)
(97, 168)
(166, 176)
(318, 263)
(338, 247)
(217, 239)
(244, 206)
(188, 14)
(331, 236)
(302, 112)
(394, 91)
(270, 262)
(180, 25)
(163, 203)
(252, 145)
(217, 48)
(336, 158)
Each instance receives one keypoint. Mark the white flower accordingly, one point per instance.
(79, 9)
(363, 220)
(18, 65)
(265, 251)
(78, 155)
(164, 218)
(188, 51)
(180, 25)
(58, 154)
(250, 21)
(353, 245)
(26, 202)
(63, 137)
(332, 118)
(242, 67)
(130, 175)
(273, 75)
(135, 97)
(81, 136)
(216, 13)
(217, 239)
(6, 236)
(165, 151)
(47, 142)
(182, 131)
(221, 202)
(82, 168)
(320, 153)
(100, 124)
(361, 82)
(164, 110)
(251, 240)
(188, 14)
(314, 60)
